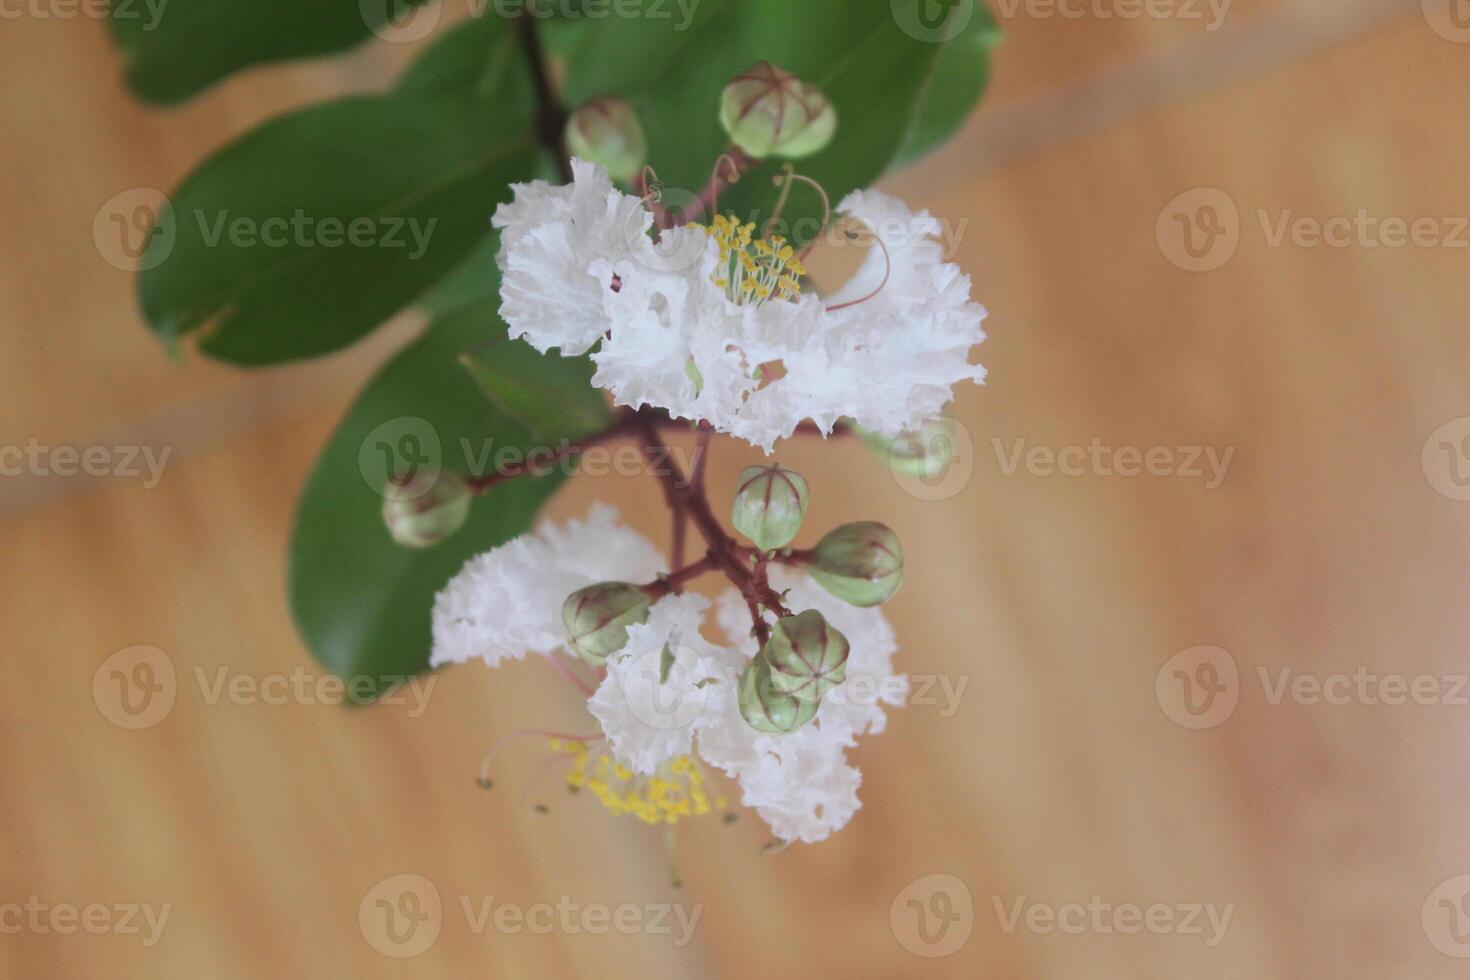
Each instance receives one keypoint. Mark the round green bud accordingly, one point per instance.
(770, 502)
(426, 508)
(607, 131)
(807, 656)
(859, 563)
(767, 111)
(926, 452)
(767, 709)
(597, 618)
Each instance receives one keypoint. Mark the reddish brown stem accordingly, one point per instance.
(627, 423)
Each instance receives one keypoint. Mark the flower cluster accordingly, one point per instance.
(717, 325)
(670, 698)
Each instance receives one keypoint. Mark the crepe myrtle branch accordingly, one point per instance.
(551, 114)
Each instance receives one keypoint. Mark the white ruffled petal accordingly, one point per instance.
(507, 602)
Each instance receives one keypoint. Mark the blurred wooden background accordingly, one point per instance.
(1055, 599)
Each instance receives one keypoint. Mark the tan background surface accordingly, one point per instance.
(1055, 599)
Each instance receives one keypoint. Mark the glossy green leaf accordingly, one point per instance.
(517, 381)
(308, 232)
(480, 56)
(174, 49)
(954, 88)
(361, 603)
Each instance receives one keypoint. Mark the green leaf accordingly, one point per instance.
(480, 56)
(361, 603)
(519, 381)
(176, 48)
(415, 178)
(956, 85)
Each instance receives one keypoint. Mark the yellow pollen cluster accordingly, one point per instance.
(674, 791)
(752, 270)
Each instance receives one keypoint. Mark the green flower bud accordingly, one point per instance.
(770, 503)
(807, 656)
(607, 131)
(426, 508)
(859, 563)
(597, 618)
(767, 709)
(925, 452)
(767, 111)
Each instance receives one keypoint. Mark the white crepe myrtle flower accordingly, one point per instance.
(550, 237)
(507, 602)
(714, 324)
(658, 687)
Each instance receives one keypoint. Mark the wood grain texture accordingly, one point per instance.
(1054, 599)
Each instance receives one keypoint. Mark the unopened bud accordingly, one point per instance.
(597, 618)
(766, 708)
(926, 452)
(808, 656)
(770, 503)
(859, 563)
(606, 131)
(767, 111)
(426, 508)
